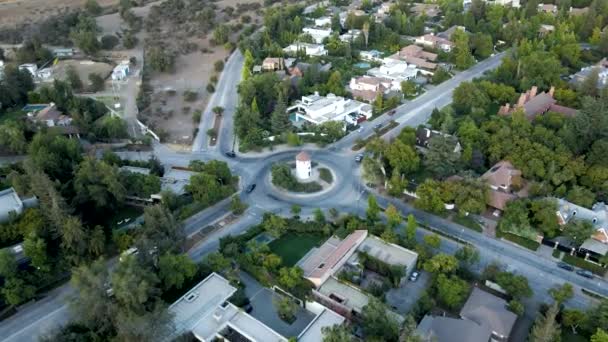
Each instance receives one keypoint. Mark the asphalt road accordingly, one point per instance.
(225, 96)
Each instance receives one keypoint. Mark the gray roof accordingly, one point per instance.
(446, 329)
(597, 215)
(595, 246)
(490, 311)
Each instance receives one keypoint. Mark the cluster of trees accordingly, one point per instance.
(212, 182)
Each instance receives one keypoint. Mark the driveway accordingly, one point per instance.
(403, 298)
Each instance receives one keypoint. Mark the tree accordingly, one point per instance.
(237, 206)
(85, 40)
(599, 336)
(441, 158)
(175, 270)
(373, 209)
(17, 291)
(562, 293)
(221, 34)
(589, 85)
(160, 233)
(573, 319)
(467, 255)
(8, 265)
(98, 183)
(12, 136)
(336, 333)
(334, 84)
(92, 7)
(451, 291)
(516, 307)
(319, 216)
(516, 285)
(275, 226)
(410, 229)
(545, 327)
(279, 119)
(482, 45)
(272, 262)
(429, 196)
(441, 263)
(134, 285)
(578, 231)
(97, 241)
(93, 306)
(432, 240)
(73, 78)
(461, 53)
(598, 316)
(206, 189)
(55, 155)
(97, 82)
(402, 157)
(215, 262)
(295, 210)
(389, 236)
(290, 277)
(159, 59)
(408, 88)
(286, 308)
(108, 42)
(393, 216)
(377, 323)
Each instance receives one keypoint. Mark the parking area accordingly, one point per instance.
(403, 298)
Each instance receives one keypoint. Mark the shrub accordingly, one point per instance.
(190, 96)
(196, 116)
(326, 175)
(282, 177)
(210, 88)
(108, 42)
(218, 65)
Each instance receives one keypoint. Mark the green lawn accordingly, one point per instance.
(527, 243)
(579, 262)
(468, 222)
(292, 247)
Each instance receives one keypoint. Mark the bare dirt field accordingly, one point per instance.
(84, 69)
(14, 12)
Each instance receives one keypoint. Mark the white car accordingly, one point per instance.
(414, 276)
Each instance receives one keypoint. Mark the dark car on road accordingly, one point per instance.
(378, 126)
(250, 188)
(392, 112)
(230, 154)
(585, 273)
(359, 157)
(565, 266)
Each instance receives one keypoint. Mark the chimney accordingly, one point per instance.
(522, 100)
(551, 91)
(533, 92)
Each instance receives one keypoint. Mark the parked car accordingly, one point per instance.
(359, 157)
(585, 273)
(377, 126)
(248, 308)
(565, 266)
(230, 154)
(414, 276)
(250, 188)
(392, 112)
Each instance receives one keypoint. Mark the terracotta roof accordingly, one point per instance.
(502, 175)
(303, 156)
(499, 199)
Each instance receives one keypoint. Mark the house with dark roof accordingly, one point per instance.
(597, 216)
(483, 318)
(424, 136)
(533, 104)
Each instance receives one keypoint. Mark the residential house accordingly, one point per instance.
(310, 9)
(44, 74)
(505, 184)
(512, 3)
(323, 261)
(206, 313)
(424, 136)
(273, 63)
(415, 55)
(301, 68)
(369, 87)
(351, 35)
(545, 30)
(323, 21)
(597, 216)
(396, 70)
(318, 34)
(484, 318)
(372, 55)
(578, 11)
(547, 8)
(447, 34)
(389, 253)
(10, 204)
(382, 12)
(602, 73)
(533, 104)
(308, 49)
(430, 10)
(435, 42)
(48, 115)
(121, 71)
(318, 109)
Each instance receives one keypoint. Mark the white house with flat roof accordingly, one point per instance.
(10, 204)
(322, 21)
(206, 313)
(30, 67)
(396, 70)
(351, 35)
(371, 55)
(318, 34)
(309, 49)
(318, 109)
